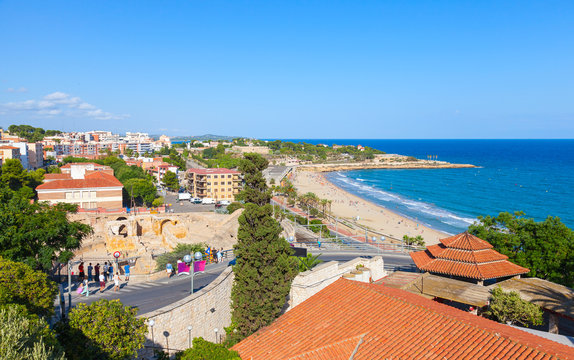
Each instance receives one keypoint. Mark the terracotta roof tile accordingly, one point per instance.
(466, 255)
(393, 324)
(465, 241)
(213, 171)
(98, 179)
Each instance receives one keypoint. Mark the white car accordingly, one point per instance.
(207, 201)
(224, 202)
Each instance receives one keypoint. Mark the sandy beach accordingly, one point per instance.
(348, 206)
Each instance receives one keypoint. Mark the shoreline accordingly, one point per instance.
(347, 206)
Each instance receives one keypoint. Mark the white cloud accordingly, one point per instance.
(18, 90)
(59, 103)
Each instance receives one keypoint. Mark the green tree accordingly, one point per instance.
(508, 307)
(17, 179)
(546, 247)
(171, 181)
(38, 233)
(143, 191)
(414, 240)
(255, 190)
(25, 337)
(308, 262)
(128, 152)
(158, 201)
(234, 206)
(264, 268)
(20, 284)
(204, 350)
(104, 329)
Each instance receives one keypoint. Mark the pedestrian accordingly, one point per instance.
(86, 288)
(219, 255)
(169, 269)
(127, 272)
(105, 269)
(215, 257)
(110, 271)
(102, 282)
(90, 268)
(82, 274)
(97, 272)
(117, 281)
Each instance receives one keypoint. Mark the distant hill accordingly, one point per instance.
(204, 137)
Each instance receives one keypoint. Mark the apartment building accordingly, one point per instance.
(9, 152)
(219, 184)
(88, 185)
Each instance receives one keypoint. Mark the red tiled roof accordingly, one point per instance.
(465, 241)
(377, 322)
(57, 176)
(465, 255)
(213, 171)
(69, 165)
(98, 179)
(8, 147)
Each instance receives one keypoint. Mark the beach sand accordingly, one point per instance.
(374, 217)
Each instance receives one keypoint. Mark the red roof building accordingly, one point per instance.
(468, 257)
(359, 321)
(88, 185)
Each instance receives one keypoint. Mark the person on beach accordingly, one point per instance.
(127, 272)
(90, 268)
(97, 272)
(102, 282)
(117, 281)
(86, 288)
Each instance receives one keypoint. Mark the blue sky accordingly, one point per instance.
(291, 69)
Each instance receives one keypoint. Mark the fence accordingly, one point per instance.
(134, 211)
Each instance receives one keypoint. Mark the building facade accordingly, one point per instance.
(88, 185)
(218, 184)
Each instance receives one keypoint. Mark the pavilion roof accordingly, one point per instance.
(465, 255)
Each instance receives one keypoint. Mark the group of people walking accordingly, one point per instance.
(101, 274)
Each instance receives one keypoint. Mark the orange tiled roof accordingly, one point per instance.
(57, 176)
(69, 165)
(379, 322)
(467, 256)
(98, 179)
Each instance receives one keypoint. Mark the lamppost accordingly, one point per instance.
(189, 328)
(216, 340)
(151, 323)
(188, 259)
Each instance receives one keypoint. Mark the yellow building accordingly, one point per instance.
(218, 184)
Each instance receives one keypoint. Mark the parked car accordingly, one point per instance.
(218, 205)
(207, 201)
(225, 202)
(196, 200)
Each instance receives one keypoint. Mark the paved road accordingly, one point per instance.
(151, 296)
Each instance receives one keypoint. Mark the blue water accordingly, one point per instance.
(533, 176)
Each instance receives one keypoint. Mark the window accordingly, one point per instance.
(215, 176)
(215, 183)
(230, 189)
(229, 183)
(85, 194)
(76, 194)
(215, 190)
(92, 194)
(229, 176)
(69, 195)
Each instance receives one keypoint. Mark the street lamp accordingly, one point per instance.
(189, 260)
(216, 330)
(189, 328)
(151, 323)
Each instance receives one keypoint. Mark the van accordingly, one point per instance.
(207, 201)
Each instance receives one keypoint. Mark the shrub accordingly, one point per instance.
(177, 254)
(508, 307)
(24, 336)
(103, 330)
(203, 350)
(22, 285)
(234, 206)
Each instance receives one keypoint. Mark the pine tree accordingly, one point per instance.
(264, 268)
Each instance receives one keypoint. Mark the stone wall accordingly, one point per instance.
(205, 310)
(310, 282)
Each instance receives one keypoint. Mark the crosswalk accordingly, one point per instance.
(109, 291)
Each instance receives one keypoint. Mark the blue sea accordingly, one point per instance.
(533, 176)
